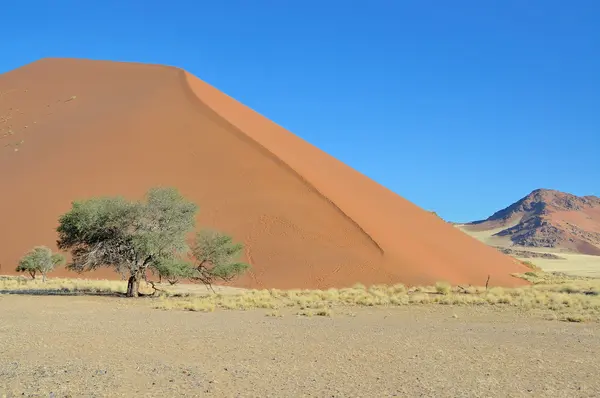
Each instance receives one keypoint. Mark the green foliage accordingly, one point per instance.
(132, 237)
(173, 270)
(216, 256)
(40, 259)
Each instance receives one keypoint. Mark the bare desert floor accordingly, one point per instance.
(82, 346)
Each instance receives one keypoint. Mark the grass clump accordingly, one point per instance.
(443, 288)
(274, 314)
(307, 313)
(531, 266)
(574, 318)
(323, 312)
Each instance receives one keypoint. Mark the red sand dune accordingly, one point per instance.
(83, 128)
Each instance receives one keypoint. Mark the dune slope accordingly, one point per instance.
(73, 129)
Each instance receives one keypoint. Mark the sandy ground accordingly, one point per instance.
(93, 347)
(573, 263)
(488, 237)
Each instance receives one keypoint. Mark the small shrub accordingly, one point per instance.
(574, 318)
(275, 314)
(323, 312)
(40, 259)
(531, 265)
(443, 288)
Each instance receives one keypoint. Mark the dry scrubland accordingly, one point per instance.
(83, 338)
(557, 296)
(551, 295)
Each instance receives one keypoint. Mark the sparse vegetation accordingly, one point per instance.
(563, 297)
(531, 266)
(275, 314)
(61, 286)
(40, 260)
(569, 298)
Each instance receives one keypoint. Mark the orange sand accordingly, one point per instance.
(84, 128)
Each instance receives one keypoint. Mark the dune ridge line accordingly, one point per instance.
(264, 148)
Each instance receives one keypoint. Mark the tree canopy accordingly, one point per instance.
(173, 270)
(40, 259)
(136, 236)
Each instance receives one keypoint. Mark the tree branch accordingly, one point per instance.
(151, 283)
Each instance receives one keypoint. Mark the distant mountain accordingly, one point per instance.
(548, 218)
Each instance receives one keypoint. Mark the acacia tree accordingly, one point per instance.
(40, 259)
(132, 237)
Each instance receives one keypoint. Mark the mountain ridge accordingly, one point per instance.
(548, 218)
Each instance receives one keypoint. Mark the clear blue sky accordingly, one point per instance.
(460, 106)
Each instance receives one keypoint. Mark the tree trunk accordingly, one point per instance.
(44, 277)
(133, 285)
(32, 273)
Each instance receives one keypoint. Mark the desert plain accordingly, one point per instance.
(353, 291)
(111, 347)
(78, 338)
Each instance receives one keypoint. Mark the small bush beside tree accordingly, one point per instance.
(215, 257)
(135, 237)
(40, 260)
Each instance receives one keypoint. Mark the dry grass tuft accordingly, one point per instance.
(275, 314)
(443, 287)
(531, 266)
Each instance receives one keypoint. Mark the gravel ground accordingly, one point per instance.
(111, 347)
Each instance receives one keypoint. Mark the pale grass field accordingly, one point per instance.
(553, 295)
(575, 264)
(59, 286)
(72, 286)
(572, 263)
